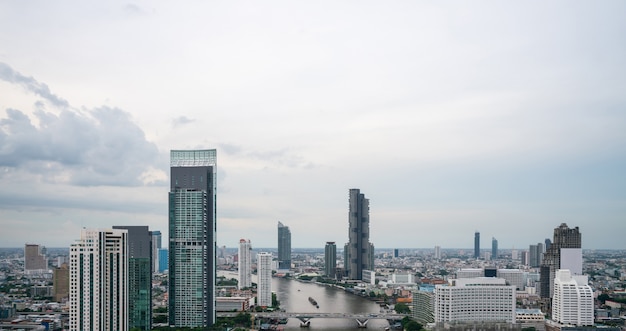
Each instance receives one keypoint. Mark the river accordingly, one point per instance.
(294, 298)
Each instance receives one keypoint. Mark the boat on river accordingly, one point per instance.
(313, 302)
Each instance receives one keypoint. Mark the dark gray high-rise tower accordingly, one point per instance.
(330, 259)
(358, 252)
(284, 246)
(139, 276)
(192, 242)
(564, 237)
(476, 244)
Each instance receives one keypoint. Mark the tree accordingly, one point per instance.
(402, 308)
(412, 326)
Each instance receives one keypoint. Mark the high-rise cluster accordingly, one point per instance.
(567, 243)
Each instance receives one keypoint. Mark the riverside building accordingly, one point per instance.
(482, 299)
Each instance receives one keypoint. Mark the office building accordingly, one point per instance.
(192, 242)
(475, 300)
(139, 276)
(564, 237)
(476, 244)
(163, 260)
(358, 252)
(437, 253)
(470, 273)
(330, 259)
(514, 277)
(156, 245)
(99, 281)
(536, 254)
(35, 260)
(284, 247)
(264, 274)
(494, 248)
(245, 264)
(61, 283)
(573, 299)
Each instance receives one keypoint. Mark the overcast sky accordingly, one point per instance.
(507, 118)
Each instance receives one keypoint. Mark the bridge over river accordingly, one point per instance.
(305, 318)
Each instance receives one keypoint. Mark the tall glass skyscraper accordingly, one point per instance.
(358, 252)
(494, 248)
(139, 277)
(192, 242)
(284, 247)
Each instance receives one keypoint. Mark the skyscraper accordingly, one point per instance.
(192, 242)
(330, 259)
(284, 247)
(358, 252)
(139, 276)
(156, 245)
(264, 273)
(494, 248)
(245, 263)
(35, 260)
(99, 280)
(476, 244)
(564, 237)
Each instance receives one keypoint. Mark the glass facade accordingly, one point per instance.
(192, 229)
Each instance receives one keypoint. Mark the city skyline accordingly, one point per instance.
(505, 119)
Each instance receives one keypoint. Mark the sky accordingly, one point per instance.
(506, 118)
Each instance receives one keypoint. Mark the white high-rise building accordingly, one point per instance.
(99, 280)
(481, 299)
(572, 303)
(245, 263)
(264, 273)
(437, 252)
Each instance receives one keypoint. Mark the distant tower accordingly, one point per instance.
(264, 273)
(396, 252)
(494, 248)
(35, 260)
(476, 244)
(245, 263)
(192, 242)
(99, 280)
(573, 299)
(358, 252)
(140, 266)
(437, 252)
(284, 247)
(548, 243)
(330, 259)
(564, 237)
(156, 245)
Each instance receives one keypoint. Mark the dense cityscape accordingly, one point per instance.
(126, 278)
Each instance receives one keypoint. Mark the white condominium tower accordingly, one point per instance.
(573, 299)
(264, 273)
(482, 299)
(99, 280)
(245, 263)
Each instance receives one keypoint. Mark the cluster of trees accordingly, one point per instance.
(240, 322)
